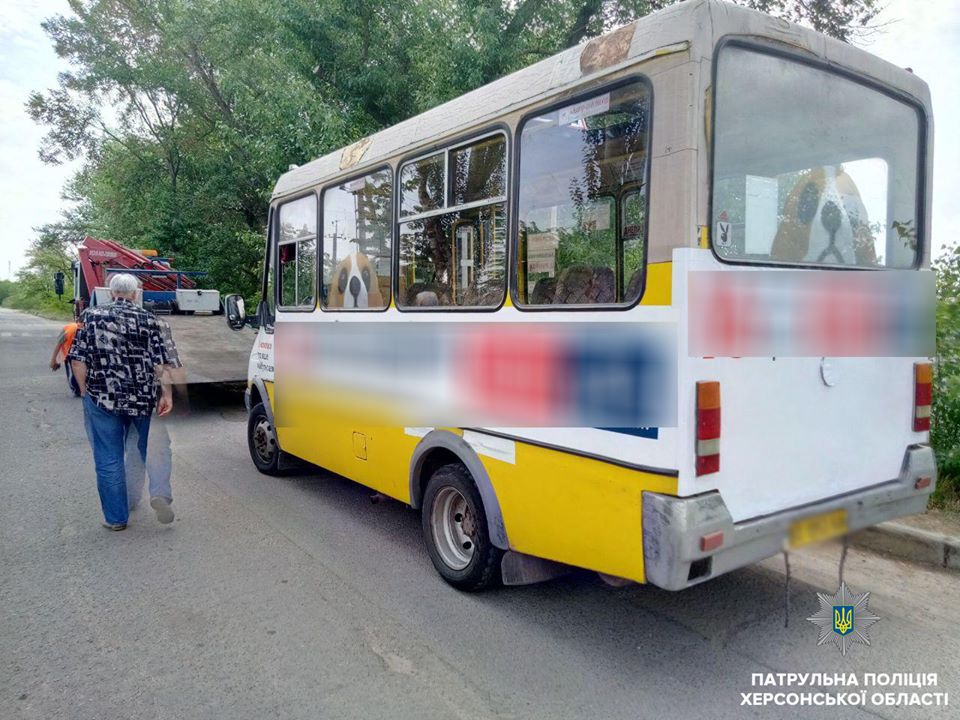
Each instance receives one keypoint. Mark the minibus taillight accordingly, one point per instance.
(708, 427)
(922, 396)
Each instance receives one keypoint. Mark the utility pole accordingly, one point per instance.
(336, 235)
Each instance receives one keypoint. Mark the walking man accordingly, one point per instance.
(118, 356)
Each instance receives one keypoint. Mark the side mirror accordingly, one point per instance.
(235, 312)
(58, 279)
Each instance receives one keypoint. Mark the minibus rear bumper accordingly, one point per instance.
(689, 540)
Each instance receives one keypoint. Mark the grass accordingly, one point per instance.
(49, 314)
(50, 311)
(946, 497)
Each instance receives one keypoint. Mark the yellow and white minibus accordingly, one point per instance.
(754, 188)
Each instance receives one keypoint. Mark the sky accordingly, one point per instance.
(921, 34)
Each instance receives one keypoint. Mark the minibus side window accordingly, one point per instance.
(357, 241)
(269, 295)
(297, 254)
(422, 185)
(477, 171)
(582, 200)
(454, 255)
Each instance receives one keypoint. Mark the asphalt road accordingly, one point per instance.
(299, 598)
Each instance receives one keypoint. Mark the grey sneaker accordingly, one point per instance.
(161, 506)
(116, 527)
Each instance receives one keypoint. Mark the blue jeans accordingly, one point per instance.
(158, 466)
(107, 433)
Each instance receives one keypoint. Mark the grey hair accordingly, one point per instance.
(124, 284)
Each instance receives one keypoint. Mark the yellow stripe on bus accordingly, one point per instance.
(659, 284)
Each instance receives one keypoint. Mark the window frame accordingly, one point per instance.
(514, 241)
(393, 237)
(265, 276)
(767, 48)
(457, 143)
(628, 189)
(276, 246)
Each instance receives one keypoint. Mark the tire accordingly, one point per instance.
(262, 441)
(454, 527)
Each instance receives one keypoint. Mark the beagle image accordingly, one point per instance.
(824, 221)
(354, 284)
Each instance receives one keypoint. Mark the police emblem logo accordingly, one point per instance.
(844, 618)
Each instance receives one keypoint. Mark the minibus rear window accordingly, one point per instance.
(812, 167)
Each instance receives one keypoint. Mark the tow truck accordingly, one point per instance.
(210, 352)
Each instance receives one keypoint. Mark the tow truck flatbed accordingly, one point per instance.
(210, 351)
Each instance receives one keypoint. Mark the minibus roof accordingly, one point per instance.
(696, 25)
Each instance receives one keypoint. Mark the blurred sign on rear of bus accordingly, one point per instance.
(803, 313)
(479, 374)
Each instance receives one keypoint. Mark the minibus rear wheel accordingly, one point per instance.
(455, 530)
(262, 441)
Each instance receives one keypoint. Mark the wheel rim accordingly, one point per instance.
(452, 523)
(264, 441)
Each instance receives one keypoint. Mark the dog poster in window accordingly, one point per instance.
(542, 252)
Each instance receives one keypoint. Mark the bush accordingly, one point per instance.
(6, 288)
(34, 293)
(48, 254)
(945, 422)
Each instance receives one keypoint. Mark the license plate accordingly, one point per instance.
(817, 528)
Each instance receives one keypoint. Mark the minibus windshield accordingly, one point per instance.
(812, 167)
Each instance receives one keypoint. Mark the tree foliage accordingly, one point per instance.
(6, 288)
(50, 252)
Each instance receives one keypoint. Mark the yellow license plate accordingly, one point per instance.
(817, 528)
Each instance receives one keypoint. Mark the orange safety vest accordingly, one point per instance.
(69, 332)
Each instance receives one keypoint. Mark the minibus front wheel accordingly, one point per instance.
(262, 441)
(455, 530)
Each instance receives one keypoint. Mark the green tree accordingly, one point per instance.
(185, 112)
(49, 253)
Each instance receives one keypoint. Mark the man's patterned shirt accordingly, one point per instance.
(120, 344)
